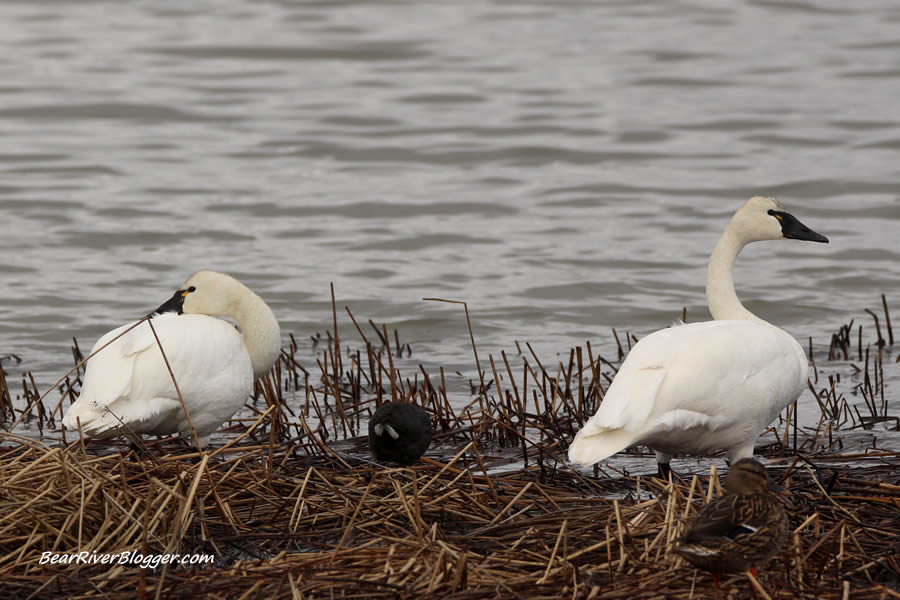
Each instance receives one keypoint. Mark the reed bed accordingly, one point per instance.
(289, 526)
(290, 505)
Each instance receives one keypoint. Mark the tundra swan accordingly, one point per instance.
(704, 387)
(128, 389)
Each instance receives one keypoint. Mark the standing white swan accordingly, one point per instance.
(127, 387)
(703, 387)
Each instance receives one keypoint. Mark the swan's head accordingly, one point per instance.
(205, 293)
(766, 219)
(211, 293)
(748, 476)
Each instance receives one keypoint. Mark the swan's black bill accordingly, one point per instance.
(174, 304)
(793, 229)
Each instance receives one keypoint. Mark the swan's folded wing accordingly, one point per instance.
(128, 381)
(632, 396)
(684, 377)
(693, 368)
(110, 378)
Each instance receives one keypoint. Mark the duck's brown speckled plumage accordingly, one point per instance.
(740, 530)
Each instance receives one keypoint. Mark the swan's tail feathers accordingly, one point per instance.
(590, 447)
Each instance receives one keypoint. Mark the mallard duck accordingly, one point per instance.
(128, 389)
(399, 432)
(742, 529)
(704, 387)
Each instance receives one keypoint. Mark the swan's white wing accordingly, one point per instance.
(108, 378)
(725, 379)
(128, 381)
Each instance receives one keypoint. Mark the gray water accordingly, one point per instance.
(564, 168)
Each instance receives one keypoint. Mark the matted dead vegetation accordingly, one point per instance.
(291, 506)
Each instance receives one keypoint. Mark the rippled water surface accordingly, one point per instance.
(564, 168)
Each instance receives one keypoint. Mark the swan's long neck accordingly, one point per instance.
(720, 294)
(259, 330)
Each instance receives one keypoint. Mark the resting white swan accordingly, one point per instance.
(703, 387)
(127, 387)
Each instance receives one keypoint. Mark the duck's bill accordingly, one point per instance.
(174, 304)
(793, 229)
(777, 488)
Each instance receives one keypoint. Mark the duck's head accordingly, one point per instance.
(205, 292)
(762, 218)
(748, 476)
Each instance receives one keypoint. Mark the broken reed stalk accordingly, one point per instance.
(184, 407)
(471, 337)
(880, 342)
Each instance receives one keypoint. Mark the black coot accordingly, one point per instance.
(399, 432)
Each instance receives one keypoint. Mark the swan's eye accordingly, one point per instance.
(192, 289)
(771, 212)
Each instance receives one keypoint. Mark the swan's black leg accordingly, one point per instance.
(662, 465)
(664, 470)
